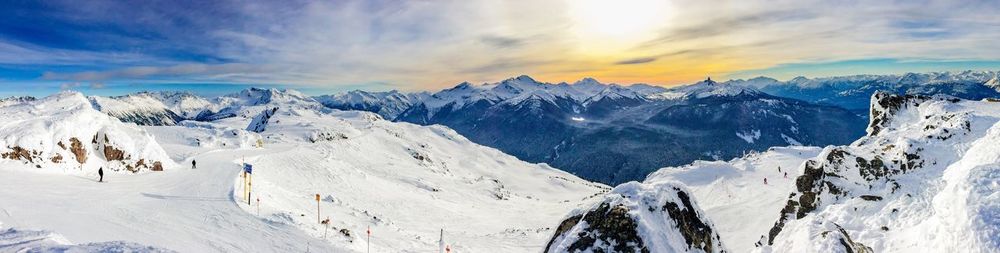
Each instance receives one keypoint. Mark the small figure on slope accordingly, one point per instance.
(765, 180)
(193, 165)
(100, 172)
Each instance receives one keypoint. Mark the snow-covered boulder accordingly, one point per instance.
(65, 131)
(923, 180)
(638, 217)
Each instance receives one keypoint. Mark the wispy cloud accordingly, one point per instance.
(431, 44)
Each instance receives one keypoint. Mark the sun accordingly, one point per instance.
(617, 19)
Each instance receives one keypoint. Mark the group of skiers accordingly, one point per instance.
(100, 171)
(779, 170)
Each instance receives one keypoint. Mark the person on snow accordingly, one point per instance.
(786, 174)
(100, 172)
(765, 180)
(193, 165)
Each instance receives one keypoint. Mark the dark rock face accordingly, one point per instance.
(607, 224)
(632, 219)
(845, 240)
(695, 231)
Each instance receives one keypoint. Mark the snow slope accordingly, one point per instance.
(733, 193)
(16, 240)
(63, 132)
(404, 181)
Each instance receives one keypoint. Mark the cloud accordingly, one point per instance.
(430, 44)
(500, 41)
(640, 60)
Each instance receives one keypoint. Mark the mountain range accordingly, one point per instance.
(603, 132)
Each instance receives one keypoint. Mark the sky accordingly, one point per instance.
(115, 47)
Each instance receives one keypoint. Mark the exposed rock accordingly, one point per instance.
(113, 154)
(57, 158)
(694, 230)
(77, 148)
(18, 153)
(635, 217)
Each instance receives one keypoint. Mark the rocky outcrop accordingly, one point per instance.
(76, 147)
(869, 171)
(637, 217)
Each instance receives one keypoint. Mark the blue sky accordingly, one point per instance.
(212, 47)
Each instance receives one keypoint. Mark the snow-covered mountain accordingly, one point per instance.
(389, 104)
(64, 132)
(852, 92)
(924, 178)
(614, 134)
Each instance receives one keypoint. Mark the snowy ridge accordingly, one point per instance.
(514, 91)
(922, 181)
(639, 217)
(389, 104)
(704, 89)
(140, 108)
(15, 100)
(63, 131)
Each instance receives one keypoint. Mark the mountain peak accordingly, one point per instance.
(587, 81)
(522, 78)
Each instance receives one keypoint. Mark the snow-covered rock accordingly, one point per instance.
(639, 217)
(63, 131)
(15, 100)
(924, 179)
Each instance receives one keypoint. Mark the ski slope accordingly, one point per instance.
(733, 194)
(406, 182)
(184, 210)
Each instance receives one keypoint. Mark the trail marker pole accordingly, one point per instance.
(441, 242)
(369, 239)
(317, 208)
(327, 223)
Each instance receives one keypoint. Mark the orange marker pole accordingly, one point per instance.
(317, 209)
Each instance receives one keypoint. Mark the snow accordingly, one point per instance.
(946, 202)
(15, 240)
(406, 182)
(750, 136)
(578, 119)
(46, 128)
(705, 89)
(733, 194)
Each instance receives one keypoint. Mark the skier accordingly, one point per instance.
(779, 168)
(100, 172)
(193, 165)
(786, 174)
(765, 180)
